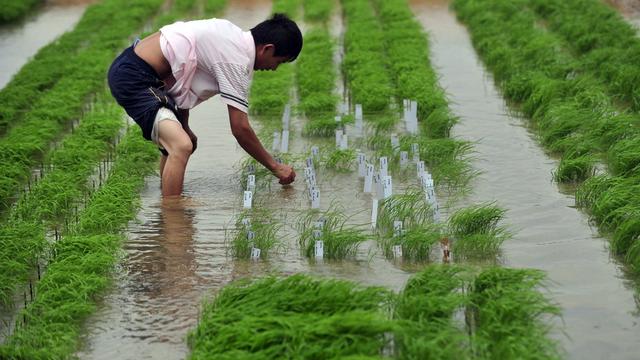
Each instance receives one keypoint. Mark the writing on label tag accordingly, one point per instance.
(320, 223)
(384, 166)
(415, 151)
(368, 179)
(339, 133)
(362, 165)
(251, 182)
(317, 234)
(377, 179)
(319, 249)
(420, 168)
(255, 253)
(251, 235)
(310, 162)
(315, 199)
(284, 146)
(247, 200)
(404, 158)
(387, 187)
(246, 222)
(276, 141)
(397, 228)
(397, 251)
(374, 213)
(251, 169)
(315, 151)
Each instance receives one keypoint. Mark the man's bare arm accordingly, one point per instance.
(246, 137)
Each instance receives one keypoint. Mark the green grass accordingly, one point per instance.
(15, 9)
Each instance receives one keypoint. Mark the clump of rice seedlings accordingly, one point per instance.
(424, 311)
(411, 208)
(511, 316)
(340, 240)
(324, 126)
(317, 10)
(476, 231)
(574, 170)
(416, 242)
(624, 157)
(341, 160)
(294, 317)
(249, 166)
(261, 232)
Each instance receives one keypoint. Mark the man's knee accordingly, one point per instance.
(181, 148)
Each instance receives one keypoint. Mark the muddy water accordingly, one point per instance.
(20, 41)
(598, 307)
(630, 9)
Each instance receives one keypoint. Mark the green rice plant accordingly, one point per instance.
(325, 126)
(416, 242)
(264, 230)
(574, 170)
(476, 231)
(289, 7)
(341, 160)
(15, 9)
(340, 240)
(424, 311)
(511, 316)
(317, 10)
(294, 317)
(411, 208)
(624, 157)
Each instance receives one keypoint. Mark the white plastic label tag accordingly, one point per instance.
(420, 168)
(338, 118)
(246, 222)
(377, 180)
(384, 166)
(415, 151)
(387, 187)
(397, 228)
(251, 235)
(320, 223)
(286, 116)
(317, 234)
(358, 112)
(315, 199)
(251, 169)
(251, 182)
(368, 179)
(397, 251)
(404, 158)
(276, 141)
(344, 142)
(255, 253)
(310, 162)
(284, 146)
(374, 213)
(362, 165)
(248, 198)
(315, 151)
(319, 249)
(338, 137)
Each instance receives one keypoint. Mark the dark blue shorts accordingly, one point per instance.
(138, 89)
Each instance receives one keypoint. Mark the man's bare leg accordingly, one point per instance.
(163, 161)
(175, 140)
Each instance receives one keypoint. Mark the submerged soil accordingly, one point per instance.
(599, 312)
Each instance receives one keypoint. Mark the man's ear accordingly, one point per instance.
(268, 49)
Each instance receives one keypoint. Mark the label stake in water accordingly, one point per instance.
(338, 118)
(415, 151)
(397, 228)
(397, 251)
(286, 116)
(315, 199)
(315, 152)
(420, 168)
(338, 137)
(359, 112)
(319, 249)
(247, 200)
(374, 213)
(251, 169)
(284, 146)
(317, 234)
(395, 142)
(251, 182)
(368, 179)
(276, 141)
(255, 253)
(362, 165)
(384, 166)
(251, 235)
(387, 187)
(246, 222)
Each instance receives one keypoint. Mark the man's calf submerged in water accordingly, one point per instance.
(157, 80)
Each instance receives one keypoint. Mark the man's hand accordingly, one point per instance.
(194, 139)
(285, 173)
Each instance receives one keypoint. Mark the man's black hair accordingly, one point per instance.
(282, 32)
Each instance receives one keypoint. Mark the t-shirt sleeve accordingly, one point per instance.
(233, 81)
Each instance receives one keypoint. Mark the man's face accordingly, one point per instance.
(265, 58)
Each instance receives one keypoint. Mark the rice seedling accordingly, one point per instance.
(325, 126)
(340, 240)
(15, 9)
(476, 231)
(624, 157)
(341, 160)
(416, 242)
(574, 170)
(511, 316)
(261, 232)
(297, 316)
(425, 309)
(411, 208)
(317, 10)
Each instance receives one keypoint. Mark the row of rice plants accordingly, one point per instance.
(507, 317)
(317, 10)
(270, 90)
(572, 109)
(364, 64)
(608, 45)
(15, 9)
(50, 202)
(83, 260)
(26, 143)
(62, 57)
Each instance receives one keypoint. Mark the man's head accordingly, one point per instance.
(277, 40)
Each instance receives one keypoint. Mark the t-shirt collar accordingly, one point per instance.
(250, 48)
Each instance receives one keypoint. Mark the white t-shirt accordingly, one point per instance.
(209, 57)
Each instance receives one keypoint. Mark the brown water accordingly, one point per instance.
(20, 41)
(600, 315)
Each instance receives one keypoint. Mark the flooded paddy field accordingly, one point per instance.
(179, 254)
